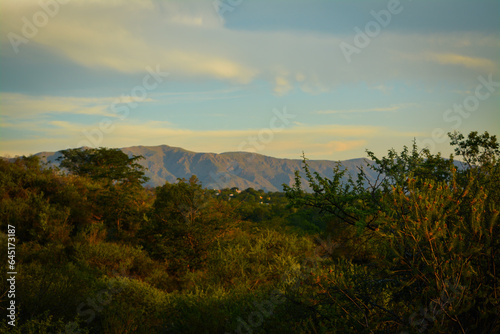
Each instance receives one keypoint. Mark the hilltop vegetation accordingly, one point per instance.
(414, 251)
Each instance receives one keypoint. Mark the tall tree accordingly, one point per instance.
(104, 164)
(118, 197)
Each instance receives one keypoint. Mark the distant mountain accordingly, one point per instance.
(225, 170)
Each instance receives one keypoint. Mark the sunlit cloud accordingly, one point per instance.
(335, 146)
(315, 140)
(461, 60)
(235, 72)
(282, 85)
(123, 38)
(348, 111)
(19, 106)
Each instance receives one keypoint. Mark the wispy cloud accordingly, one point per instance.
(383, 88)
(188, 40)
(348, 111)
(316, 141)
(335, 146)
(282, 85)
(478, 63)
(19, 106)
(222, 94)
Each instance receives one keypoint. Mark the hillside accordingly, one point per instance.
(226, 170)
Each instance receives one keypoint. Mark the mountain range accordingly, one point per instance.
(225, 170)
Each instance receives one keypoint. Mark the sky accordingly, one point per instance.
(330, 79)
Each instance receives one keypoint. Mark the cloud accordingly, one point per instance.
(348, 111)
(282, 85)
(117, 48)
(383, 88)
(19, 106)
(121, 36)
(461, 60)
(188, 40)
(63, 125)
(335, 146)
(324, 141)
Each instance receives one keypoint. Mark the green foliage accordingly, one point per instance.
(184, 223)
(103, 164)
(132, 307)
(350, 201)
(48, 279)
(395, 169)
(42, 324)
(247, 260)
(415, 250)
(434, 245)
(110, 257)
(116, 193)
(41, 204)
(476, 150)
(433, 229)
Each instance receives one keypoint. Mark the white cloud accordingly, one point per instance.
(188, 40)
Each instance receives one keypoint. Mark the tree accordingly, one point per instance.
(351, 202)
(104, 164)
(433, 230)
(476, 150)
(117, 194)
(42, 204)
(184, 223)
(395, 169)
(357, 202)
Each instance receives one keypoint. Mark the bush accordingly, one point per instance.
(432, 230)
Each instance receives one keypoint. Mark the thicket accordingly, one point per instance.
(96, 252)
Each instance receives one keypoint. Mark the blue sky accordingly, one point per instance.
(328, 78)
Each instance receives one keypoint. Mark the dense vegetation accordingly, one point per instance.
(96, 252)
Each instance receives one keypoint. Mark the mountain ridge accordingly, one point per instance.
(243, 170)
